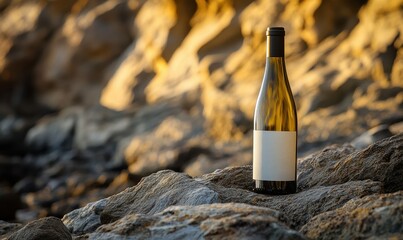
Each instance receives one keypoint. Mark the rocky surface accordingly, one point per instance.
(215, 221)
(171, 205)
(178, 92)
(7, 228)
(379, 162)
(44, 228)
(374, 216)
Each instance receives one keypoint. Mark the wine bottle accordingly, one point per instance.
(275, 124)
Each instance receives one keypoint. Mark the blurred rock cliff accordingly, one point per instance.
(96, 94)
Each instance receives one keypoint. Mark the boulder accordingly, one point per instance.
(382, 161)
(300, 207)
(45, 228)
(147, 57)
(53, 132)
(155, 193)
(213, 221)
(232, 177)
(85, 219)
(166, 188)
(72, 68)
(173, 144)
(24, 30)
(377, 216)
(7, 228)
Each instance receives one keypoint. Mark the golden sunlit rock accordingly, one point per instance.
(101, 96)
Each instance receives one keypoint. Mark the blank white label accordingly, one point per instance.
(274, 155)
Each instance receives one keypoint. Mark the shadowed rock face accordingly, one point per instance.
(379, 162)
(45, 228)
(7, 229)
(155, 193)
(178, 81)
(174, 205)
(374, 216)
(215, 221)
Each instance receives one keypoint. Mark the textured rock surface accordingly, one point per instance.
(166, 188)
(171, 205)
(300, 207)
(182, 88)
(382, 161)
(85, 219)
(80, 51)
(45, 228)
(232, 177)
(376, 216)
(168, 147)
(215, 221)
(155, 193)
(7, 229)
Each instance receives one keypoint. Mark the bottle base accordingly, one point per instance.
(275, 187)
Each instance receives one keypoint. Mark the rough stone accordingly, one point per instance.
(169, 146)
(72, 67)
(7, 228)
(371, 136)
(155, 193)
(185, 85)
(86, 219)
(53, 132)
(166, 188)
(377, 216)
(48, 228)
(232, 177)
(135, 68)
(382, 161)
(24, 30)
(214, 221)
(300, 207)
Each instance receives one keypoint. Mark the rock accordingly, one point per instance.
(7, 229)
(341, 81)
(181, 77)
(300, 16)
(53, 132)
(86, 219)
(78, 54)
(219, 155)
(28, 215)
(166, 188)
(155, 193)
(300, 207)
(183, 88)
(317, 199)
(136, 67)
(377, 216)
(169, 146)
(382, 161)
(232, 177)
(215, 221)
(44, 228)
(99, 126)
(371, 136)
(24, 29)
